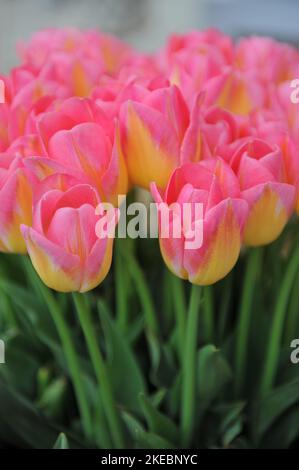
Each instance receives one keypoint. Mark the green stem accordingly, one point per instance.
(252, 271)
(71, 357)
(167, 301)
(8, 311)
(273, 348)
(144, 296)
(120, 290)
(189, 368)
(291, 328)
(179, 304)
(223, 317)
(100, 369)
(208, 314)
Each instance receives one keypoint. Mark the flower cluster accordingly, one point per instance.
(204, 119)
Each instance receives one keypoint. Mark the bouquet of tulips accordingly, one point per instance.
(149, 360)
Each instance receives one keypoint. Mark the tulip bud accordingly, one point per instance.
(62, 242)
(15, 201)
(213, 185)
(259, 167)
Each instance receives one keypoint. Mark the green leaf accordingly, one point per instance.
(275, 403)
(21, 296)
(283, 432)
(21, 364)
(124, 371)
(54, 398)
(164, 369)
(28, 426)
(159, 423)
(143, 439)
(232, 422)
(61, 442)
(213, 373)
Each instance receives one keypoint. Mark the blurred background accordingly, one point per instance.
(145, 23)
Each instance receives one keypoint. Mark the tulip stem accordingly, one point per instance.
(252, 271)
(179, 304)
(208, 314)
(120, 290)
(189, 368)
(223, 316)
(144, 295)
(291, 328)
(71, 357)
(273, 348)
(100, 369)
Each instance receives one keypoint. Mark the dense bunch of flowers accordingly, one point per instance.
(206, 120)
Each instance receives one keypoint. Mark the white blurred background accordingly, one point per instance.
(144, 23)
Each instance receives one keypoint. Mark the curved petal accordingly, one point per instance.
(222, 239)
(97, 264)
(58, 269)
(150, 145)
(270, 207)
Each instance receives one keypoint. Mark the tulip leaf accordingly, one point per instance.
(159, 423)
(61, 442)
(54, 399)
(283, 432)
(273, 405)
(143, 439)
(213, 373)
(21, 419)
(21, 364)
(123, 367)
(231, 419)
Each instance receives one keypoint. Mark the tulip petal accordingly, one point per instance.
(16, 208)
(150, 145)
(270, 208)
(58, 269)
(97, 264)
(222, 239)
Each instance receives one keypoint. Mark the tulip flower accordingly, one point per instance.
(31, 101)
(235, 91)
(221, 131)
(15, 201)
(75, 59)
(62, 242)
(190, 60)
(197, 41)
(273, 128)
(266, 59)
(106, 51)
(214, 186)
(4, 140)
(153, 136)
(79, 140)
(282, 105)
(259, 167)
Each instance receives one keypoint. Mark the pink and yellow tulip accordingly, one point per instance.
(213, 184)
(266, 59)
(156, 136)
(80, 141)
(15, 201)
(259, 167)
(62, 242)
(102, 51)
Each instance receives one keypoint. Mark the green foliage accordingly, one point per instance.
(142, 335)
